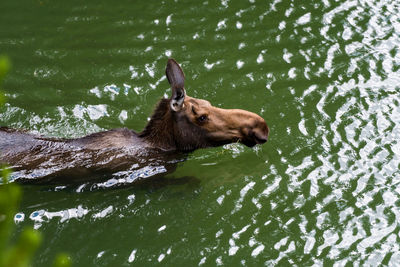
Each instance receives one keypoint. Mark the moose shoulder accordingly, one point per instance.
(179, 124)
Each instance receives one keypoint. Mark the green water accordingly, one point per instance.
(325, 75)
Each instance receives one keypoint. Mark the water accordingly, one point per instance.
(324, 74)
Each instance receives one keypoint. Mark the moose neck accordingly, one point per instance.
(159, 130)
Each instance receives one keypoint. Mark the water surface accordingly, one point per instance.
(324, 74)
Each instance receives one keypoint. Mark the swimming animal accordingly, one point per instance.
(178, 125)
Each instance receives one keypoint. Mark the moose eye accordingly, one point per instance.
(202, 118)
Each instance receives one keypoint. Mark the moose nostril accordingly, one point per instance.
(260, 138)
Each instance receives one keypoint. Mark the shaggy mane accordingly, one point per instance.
(158, 130)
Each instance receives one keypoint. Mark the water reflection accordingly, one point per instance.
(324, 74)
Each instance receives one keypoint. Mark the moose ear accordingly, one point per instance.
(176, 79)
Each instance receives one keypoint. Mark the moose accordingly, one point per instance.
(178, 125)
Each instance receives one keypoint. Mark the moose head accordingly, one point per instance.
(185, 123)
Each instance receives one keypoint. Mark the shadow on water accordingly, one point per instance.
(44, 204)
(149, 184)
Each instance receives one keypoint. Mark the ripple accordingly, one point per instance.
(325, 75)
(41, 216)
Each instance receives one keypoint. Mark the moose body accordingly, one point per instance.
(178, 125)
